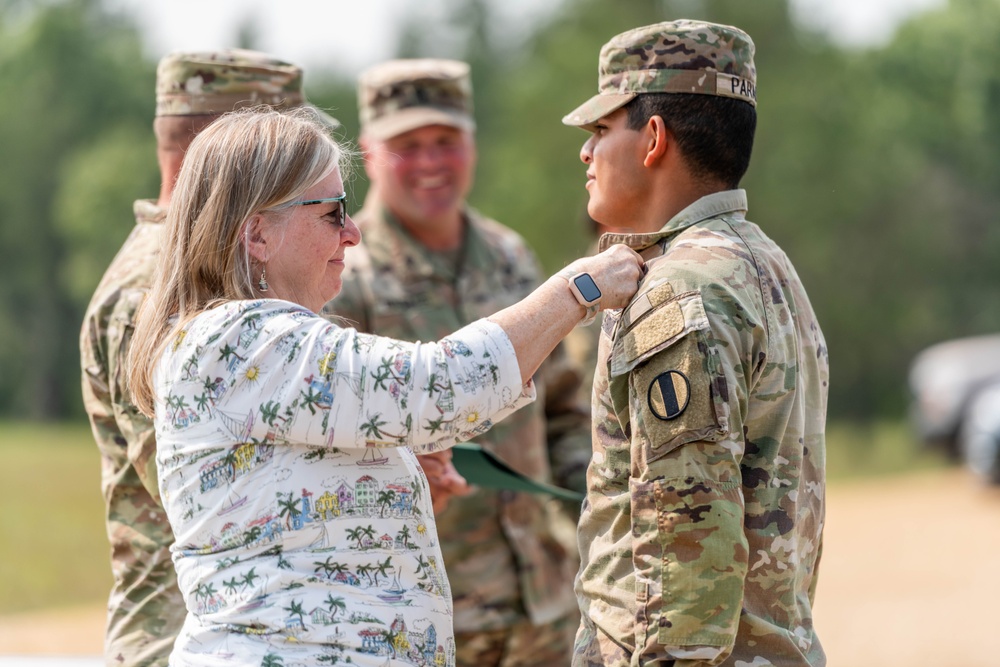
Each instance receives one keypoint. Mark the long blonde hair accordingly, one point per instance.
(247, 162)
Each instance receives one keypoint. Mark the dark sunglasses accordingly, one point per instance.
(339, 213)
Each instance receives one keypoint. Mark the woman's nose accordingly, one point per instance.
(351, 235)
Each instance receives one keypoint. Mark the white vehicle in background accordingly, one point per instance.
(956, 401)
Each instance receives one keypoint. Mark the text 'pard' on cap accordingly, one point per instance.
(680, 56)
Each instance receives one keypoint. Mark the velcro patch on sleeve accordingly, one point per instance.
(646, 302)
(673, 402)
(659, 326)
(653, 322)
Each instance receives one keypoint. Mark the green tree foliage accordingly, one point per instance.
(873, 168)
(899, 248)
(69, 73)
(97, 183)
(337, 95)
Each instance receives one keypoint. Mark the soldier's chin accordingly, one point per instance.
(596, 212)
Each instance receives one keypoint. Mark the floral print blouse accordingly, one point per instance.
(303, 522)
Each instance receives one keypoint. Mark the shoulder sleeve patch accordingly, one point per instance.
(668, 395)
(673, 399)
(663, 363)
(654, 322)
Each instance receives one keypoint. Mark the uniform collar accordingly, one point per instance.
(147, 211)
(709, 206)
(389, 242)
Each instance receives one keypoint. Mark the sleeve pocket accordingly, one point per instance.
(664, 376)
(677, 400)
(702, 565)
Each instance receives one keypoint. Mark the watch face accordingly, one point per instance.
(588, 288)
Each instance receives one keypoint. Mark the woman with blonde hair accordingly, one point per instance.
(285, 443)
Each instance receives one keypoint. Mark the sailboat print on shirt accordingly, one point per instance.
(239, 429)
(394, 594)
(373, 456)
(232, 503)
(322, 542)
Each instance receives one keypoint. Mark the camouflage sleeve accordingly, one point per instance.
(567, 420)
(135, 427)
(94, 379)
(581, 349)
(689, 549)
(116, 423)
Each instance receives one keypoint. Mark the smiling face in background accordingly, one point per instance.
(305, 253)
(423, 175)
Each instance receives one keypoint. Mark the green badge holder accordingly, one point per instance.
(485, 469)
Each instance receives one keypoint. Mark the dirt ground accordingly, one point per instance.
(910, 576)
(911, 573)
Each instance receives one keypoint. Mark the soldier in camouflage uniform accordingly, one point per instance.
(702, 528)
(145, 609)
(427, 265)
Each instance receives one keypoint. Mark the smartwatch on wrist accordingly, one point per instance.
(586, 291)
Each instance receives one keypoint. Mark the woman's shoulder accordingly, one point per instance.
(244, 321)
(232, 312)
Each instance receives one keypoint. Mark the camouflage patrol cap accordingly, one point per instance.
(401, 95)
(671, 57)
(214, 82)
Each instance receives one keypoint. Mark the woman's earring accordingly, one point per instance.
(262, 283)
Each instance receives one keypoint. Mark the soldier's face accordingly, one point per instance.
(614, 157)
(423, 175)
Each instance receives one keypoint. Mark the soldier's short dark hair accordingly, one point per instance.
(715, 134)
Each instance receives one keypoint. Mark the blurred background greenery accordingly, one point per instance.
(875, 168)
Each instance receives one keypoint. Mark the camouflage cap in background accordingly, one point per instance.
(671, 57)
(214, 82)
(401, 95)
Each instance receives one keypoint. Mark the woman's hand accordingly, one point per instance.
(617, 272)
(442, 477)
(537, 323)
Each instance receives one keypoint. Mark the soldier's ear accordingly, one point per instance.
(658, 139)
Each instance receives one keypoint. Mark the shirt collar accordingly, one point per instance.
(709, 206)
(146, 210)
(388, 241)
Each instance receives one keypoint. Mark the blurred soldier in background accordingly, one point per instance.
(703, 522)
(427, 265)
(145, 609)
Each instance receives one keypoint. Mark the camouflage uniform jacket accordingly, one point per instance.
(145, 609)
(507, 554)
(702, 528)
